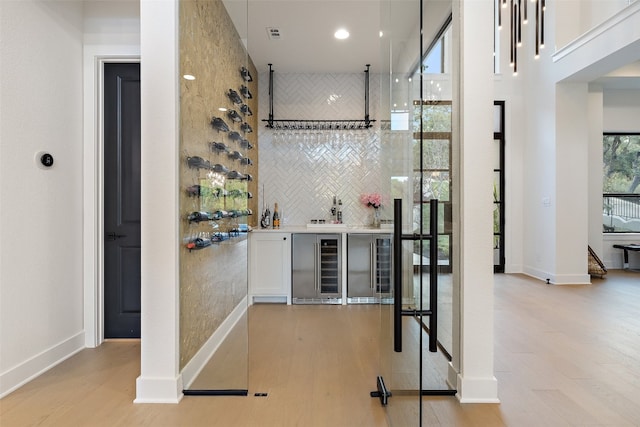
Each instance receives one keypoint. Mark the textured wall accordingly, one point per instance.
(303, 170)
(213, 280)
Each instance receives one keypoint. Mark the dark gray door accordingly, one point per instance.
(122, 200)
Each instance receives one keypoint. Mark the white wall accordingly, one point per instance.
(579, 16)
(49, 218)
(572, 184)
(547, 137)
(41, 307)
(621, 110)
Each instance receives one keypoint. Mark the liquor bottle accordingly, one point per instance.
(266, 218)
(276, 217)
(334, 211)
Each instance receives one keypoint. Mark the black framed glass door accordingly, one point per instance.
(417, 328)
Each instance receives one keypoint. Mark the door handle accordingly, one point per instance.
(397, 275)
(398, 237)
(113, 236)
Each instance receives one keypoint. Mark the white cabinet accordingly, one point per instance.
(270, 267)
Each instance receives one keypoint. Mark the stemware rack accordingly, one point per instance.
(306, 124)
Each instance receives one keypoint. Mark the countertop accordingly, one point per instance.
(327, 228)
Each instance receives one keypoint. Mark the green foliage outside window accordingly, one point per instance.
(621, 163)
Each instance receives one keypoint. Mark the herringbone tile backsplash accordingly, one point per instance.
(303, 170)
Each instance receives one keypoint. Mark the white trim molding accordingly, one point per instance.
(21, 374)
(158, 390)
(602, 49)
(93, 183)
(477, 390)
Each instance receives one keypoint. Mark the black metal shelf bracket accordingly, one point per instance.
(307, 124)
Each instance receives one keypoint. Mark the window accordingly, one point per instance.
(621, 183)
(432, 169)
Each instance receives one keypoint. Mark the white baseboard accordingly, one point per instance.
(199, 361)
(572, 279)
(558, 279)
(158, 390)
(452, 376)
(21, 374)
(269, 299)
(477, 390)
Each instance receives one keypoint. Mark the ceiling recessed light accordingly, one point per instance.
(341, 34)
(189, 77)
(222, 109)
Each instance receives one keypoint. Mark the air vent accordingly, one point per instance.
(274, 33)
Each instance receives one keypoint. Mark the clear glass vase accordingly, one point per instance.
(375, 223)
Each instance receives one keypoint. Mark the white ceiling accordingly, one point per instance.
(627, 77)
(307, 44)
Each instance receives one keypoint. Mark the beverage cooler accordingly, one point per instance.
(316, 269)
(369, 268)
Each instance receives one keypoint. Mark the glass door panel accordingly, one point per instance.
(421, 139)
(215, 202)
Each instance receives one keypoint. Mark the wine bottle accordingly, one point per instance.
(276, 217)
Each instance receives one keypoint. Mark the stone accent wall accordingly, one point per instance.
(213, 280)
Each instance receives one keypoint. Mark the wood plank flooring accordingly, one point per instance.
(564, 356)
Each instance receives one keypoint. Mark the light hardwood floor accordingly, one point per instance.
(564, 356)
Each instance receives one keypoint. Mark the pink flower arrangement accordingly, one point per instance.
(373, 200)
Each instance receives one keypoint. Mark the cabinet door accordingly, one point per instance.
(359, 255)
(304, 267)
(270, 261)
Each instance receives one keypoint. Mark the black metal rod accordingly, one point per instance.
(414, 313)
(438, 392)
(366, 94)
(537, 28)
(416, 236)
(543, 7)
(270, 94)
(433, 276)
(228, 392)
(304, 124)
(511, 38)
(397, 275)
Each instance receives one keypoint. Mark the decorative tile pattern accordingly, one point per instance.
(303, 170)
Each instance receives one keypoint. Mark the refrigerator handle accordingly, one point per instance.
(315, 266)
(372, 267)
